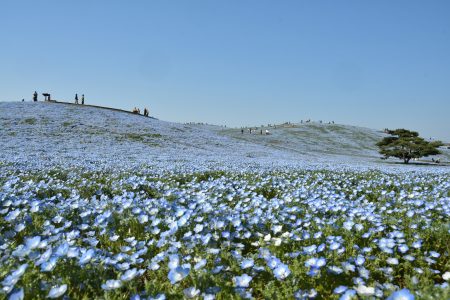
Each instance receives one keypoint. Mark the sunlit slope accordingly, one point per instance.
(43, 132)
(74, 134)
(316, 138)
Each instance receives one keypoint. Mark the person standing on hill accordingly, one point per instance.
(82, 99)
(35, 95)
(76, 98)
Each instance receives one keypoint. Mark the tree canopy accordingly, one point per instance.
(405, 144)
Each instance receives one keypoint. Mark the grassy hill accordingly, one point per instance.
(46, 132)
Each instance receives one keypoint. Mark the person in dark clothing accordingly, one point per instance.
(242, 131)
(35, 95)
(82, 99)
(76, 98)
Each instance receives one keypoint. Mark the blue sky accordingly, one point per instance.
(369, 63)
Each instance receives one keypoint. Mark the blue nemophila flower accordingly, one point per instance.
(21, 251)
(86, 257)
(208, 296)
(191, 292)
(200, 264)
(446, 276)
(154, 266)
(348, 267)
(403, 248)
(315, 262)
(340, 289)
(198, 228)
(404, 294)
(273, 262)
(335, 270)
(129, 274)
(434, 254)
(417, 244)
(49, 265)
(32, 243)
(348, 295)
(114, 238)
(44, 257)
(281, 271)
(62, 249)
(247, 263)
(14, 277)
(242, 281)
(158, 297)
(277, 228)
(335, 246)
(177, 274)
(57, 291)
(409, 257)
(17, 295)
(111, 285)
(309, 250)
(174, 261)
(392, 261)
(360, 260)
(365, 291)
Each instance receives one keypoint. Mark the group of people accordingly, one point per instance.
(47, 97)
(138, 111)
(251, 130)
(82, 99)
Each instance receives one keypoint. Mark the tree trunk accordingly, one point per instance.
(406, 160)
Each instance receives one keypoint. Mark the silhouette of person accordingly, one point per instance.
(82, 99)
(76, 98)
(35, 95)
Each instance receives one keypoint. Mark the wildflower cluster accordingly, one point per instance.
(256, 234)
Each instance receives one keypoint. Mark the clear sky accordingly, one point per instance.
(369, 63)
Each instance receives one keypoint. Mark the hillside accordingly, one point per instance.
(45, 133)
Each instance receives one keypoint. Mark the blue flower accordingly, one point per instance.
(247, 263)
(177, 274)
(242, 281)
(281, 271)
(404, 294)
(57, 291)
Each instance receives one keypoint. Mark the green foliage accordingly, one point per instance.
(30, 121)
(405, 144)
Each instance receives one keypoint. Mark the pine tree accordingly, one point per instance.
(405, 144)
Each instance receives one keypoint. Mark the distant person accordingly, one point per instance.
(261, 132)
(82, 99)
(23, 100)
(35, 96)
(242, 131)
(76, 98)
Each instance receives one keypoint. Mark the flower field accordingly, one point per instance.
(312, 233)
